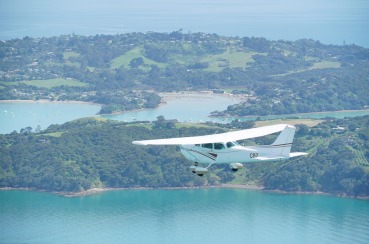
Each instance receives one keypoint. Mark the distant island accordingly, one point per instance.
(126, 71)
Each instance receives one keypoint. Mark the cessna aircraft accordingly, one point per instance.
(223, 148)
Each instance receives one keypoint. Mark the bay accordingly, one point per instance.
(190, 108)
(18, 115)
(185, 108)
(182, 216)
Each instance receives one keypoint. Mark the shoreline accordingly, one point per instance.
(170, 96)
(48, 101)
(95, 191)
(295, 115)
(167, 97)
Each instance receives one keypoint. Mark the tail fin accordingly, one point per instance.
(280, 148)
(282, 145)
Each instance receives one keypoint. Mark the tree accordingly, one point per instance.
(162, 123)
(136, 62)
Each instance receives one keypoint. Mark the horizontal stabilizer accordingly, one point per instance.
(270, 158)
(276, 157)
(296, 154)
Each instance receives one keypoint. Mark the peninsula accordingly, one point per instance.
(126, 71)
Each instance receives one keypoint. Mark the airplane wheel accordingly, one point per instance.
(200, 174)
(234, 170)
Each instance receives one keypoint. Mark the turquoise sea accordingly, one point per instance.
(182, 216)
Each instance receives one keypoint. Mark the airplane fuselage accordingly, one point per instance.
(222, 148)
(224, 153)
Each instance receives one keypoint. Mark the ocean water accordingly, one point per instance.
(329, 21)
(182, 216)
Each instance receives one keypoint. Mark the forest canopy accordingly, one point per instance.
(89, 153)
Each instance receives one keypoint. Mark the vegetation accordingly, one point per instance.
(51, 83)
(89, 153)
(125, 72)
(278, 77)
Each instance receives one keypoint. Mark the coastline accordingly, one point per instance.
(47, 101)
(298, 114)
(170, 96)
(98, 190)
(95, 191)
(167, 97)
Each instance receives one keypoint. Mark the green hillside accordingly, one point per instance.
(89, 153)
(276, 77)
(51, 83)
(125, 59)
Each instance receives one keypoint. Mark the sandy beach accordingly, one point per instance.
(94, 191)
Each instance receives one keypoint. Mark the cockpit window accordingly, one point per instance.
(208, 145)
(231, 144)
(219, 146)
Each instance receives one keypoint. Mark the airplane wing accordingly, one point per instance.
(222, 137)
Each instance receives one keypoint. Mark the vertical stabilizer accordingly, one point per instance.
(284, 141)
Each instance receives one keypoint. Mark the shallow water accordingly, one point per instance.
(182, 216)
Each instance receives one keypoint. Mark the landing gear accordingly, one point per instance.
(236, 166)
(193, 168)
(200, 171)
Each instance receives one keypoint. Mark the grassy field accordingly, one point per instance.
(308, 122)
(126, 58)
(67, 55)
(54, 134)
(325, 65)
(7, 83)
(50, 83)
(317, 65)
(230, 58)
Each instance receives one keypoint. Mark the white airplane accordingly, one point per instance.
(223, 148)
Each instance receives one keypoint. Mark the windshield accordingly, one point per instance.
(231, 144)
